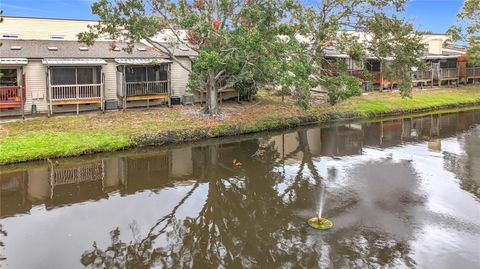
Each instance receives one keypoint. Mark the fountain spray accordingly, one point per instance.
(319, 222)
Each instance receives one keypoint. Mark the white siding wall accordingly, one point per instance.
(36, 84)
(110, 71)
(39, 28)
(180, 76)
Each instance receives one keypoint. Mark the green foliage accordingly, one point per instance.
(378, 33)
(397, 45)
(247, 89)
(473, 52)
(342, 87)
(467, 29)
(236, 41)
(258, 41)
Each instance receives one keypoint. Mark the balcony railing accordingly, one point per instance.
(473, 71)
(76, 92)
(147, 88)
(448, 73)
(10, 96)
(422, 75)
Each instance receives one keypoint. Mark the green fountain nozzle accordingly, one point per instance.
(320, 223)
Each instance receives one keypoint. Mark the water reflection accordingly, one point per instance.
(253, 215)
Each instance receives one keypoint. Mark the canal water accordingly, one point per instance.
(402, 193)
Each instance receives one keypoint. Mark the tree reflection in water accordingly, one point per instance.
(3, 233)
(253, 216)
(246, 222)
(243, 223)
(465, 166)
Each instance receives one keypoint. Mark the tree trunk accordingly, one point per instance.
(212, 96)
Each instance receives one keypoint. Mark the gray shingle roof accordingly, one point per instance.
(71, 49)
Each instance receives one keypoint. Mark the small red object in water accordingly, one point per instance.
(236, 163)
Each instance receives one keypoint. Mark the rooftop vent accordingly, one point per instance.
(83, 48)
(52, 48)
(9, 36)
(15, 47)
(57, 37)
(141, 49)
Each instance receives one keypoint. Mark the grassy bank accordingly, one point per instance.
(76, 135)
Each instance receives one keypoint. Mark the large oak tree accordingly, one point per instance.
(237, 41)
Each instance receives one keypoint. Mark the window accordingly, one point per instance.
(72, 75)
(9, 77)
(449, 63)
(57, 37)
(63, 76)
(373, 66)
(135, 74)
(146, 73)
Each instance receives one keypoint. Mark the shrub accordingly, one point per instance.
(342, 87)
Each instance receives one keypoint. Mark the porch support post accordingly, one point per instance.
(431, 68)
(102, 91)
(458, 74)
(77, 92)
(169, 84)
(49, 85)
(124, 83)
(22, 102)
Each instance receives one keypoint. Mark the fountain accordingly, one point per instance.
(318, 222)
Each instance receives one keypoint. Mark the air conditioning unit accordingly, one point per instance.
(188, 99)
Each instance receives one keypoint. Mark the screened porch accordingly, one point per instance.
(75, 82)
(143, 79)
(146, 80)
(446, 70)
(12, 83)
(473, 72)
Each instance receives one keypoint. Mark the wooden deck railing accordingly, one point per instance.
(10, 96)
(76, 92)
(422, 75)
(448, 73)
(473, 71)
(147, 88)
(352, 72)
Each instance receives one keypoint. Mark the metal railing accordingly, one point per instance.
(10, 94)
(76, 92)
(422, 75)
(448, 73)
(473, 71)
(147, 88)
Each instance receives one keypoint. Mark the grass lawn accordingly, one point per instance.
(382, 103)
(63, 136)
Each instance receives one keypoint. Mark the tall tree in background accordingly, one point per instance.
(467, 29)
(237, 41)
(363, 28)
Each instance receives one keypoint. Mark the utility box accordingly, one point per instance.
(188, 99)
(175, 100)
(111, 104)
